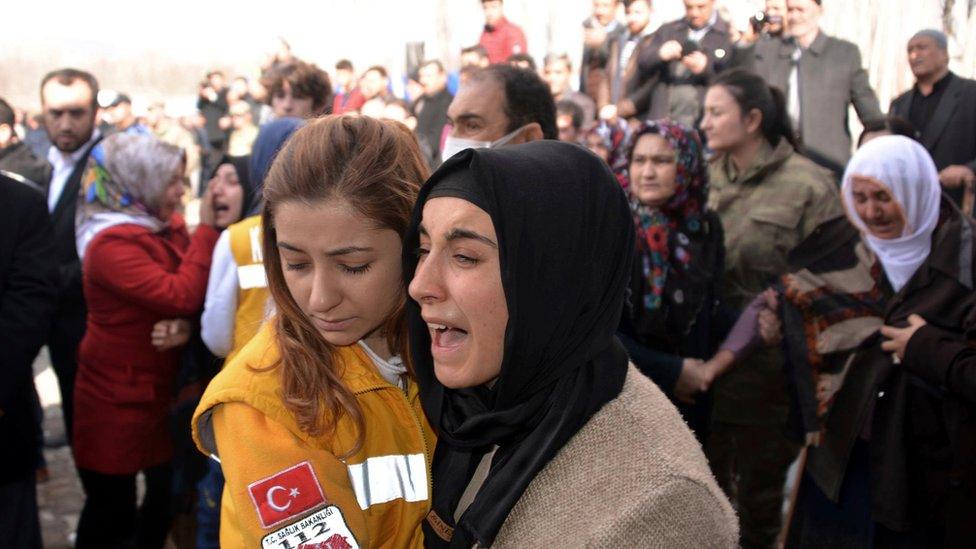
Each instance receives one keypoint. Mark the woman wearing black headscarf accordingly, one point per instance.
(546, 434)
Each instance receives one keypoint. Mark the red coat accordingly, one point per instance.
(503, 40)
(132, 279)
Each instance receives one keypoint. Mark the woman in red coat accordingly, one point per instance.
(140, 266)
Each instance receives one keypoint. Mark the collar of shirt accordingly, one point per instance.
(60, 160)
(937, 87)
(698, 34)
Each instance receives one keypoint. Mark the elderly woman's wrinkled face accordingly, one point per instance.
(876, 206)
(653, 168)
(458, 285)
(173, 194)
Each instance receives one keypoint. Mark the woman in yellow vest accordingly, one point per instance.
(317, 421)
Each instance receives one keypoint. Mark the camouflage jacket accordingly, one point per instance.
(766, 211)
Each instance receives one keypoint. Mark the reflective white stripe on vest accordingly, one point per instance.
(386, 478)
(251, 276)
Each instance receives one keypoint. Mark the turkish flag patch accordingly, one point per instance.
(286, 494)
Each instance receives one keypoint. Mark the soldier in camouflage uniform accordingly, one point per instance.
(767, 206)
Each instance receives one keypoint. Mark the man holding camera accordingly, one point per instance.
(683, 55)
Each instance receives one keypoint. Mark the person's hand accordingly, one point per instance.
(225, 122)
(670, 51)
(209, 94)
(608, 113)
(898, 337)
(719, 364)
(694, 379)
(769, 325)
(956, 176)
(696, 62)
(169, 334)
(594, 37)
(207, 214)
(770, 328)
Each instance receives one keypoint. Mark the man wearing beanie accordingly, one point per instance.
(942, 107)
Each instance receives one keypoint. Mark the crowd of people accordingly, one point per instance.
(438, 320)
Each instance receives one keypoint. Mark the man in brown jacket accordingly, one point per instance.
(624, 92)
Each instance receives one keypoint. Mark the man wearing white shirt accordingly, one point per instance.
(68, 101)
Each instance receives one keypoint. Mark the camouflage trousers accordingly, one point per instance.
(750, 464)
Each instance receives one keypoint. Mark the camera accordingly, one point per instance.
(758, 21)
(761, 20)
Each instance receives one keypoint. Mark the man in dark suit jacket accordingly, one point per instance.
(683, 56)
(15, 156)
(942, 107)
(821, 76)
(68, 101)
(431, 110)
(28, 293)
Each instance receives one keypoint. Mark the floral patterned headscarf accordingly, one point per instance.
(663, 234)
(614, 138)
(124, 183)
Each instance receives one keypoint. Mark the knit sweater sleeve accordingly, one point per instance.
(680, 513)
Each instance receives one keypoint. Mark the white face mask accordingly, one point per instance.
(454, 145)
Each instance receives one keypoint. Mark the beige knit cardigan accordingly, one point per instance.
(634, 476)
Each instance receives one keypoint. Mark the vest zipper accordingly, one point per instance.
(428, 455)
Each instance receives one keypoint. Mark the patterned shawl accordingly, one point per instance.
(664, 234)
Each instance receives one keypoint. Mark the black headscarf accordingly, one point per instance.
(241, 165)
(565, 244)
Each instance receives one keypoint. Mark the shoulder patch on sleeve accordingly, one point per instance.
(326, 529)
(286, 494)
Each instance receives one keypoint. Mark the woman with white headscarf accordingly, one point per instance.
(140, 267)
(889, 418)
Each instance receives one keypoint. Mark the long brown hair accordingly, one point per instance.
(376, 166)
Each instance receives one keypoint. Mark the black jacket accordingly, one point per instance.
(691, 322)
(950, 136)
(923, 426)
(665, 102)
(71, 308)
(19, 159)
(28, 293)
(431, 113)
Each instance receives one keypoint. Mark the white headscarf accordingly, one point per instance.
(906, 168)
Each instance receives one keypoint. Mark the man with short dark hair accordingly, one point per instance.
(213, 106)
(557, 72)
(600, 30)
(683, 56)
(430, 109)
(500, 105)
(822, 77)
(942, 107)
(624, 92)
(375, 83)
(474, 56)
(122, 118)
(348, 98)
(69, 103)
(569, 121)
(500, 38)
(16, 158)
